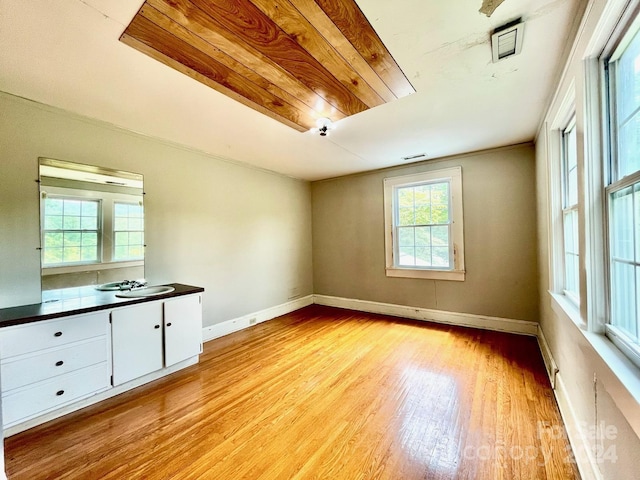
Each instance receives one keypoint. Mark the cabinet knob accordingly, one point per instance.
(169, 324)
(57, 334)
(60, 392)
(156, 326)
(59, 363)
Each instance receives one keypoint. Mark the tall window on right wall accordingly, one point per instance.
(570, 212)
(622, 193)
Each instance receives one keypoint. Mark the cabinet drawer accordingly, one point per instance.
(20, 371)
(51, 333)
(41, 397)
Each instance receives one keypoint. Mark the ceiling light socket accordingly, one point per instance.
(323, 126)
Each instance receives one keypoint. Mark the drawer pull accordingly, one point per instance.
(57, 334)
(60, 392)
(59, 363)
(156, 326)
(169, 324)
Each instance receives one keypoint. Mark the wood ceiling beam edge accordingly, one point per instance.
(295, 121)
(287, 17)
(171, 26)
(201, 26)
(354, 25)
(323, 24)
(276, 44)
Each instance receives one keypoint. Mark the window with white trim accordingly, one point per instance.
(71, 233)
(128, 231)
(622, 195)
(569, 186)
(424, 235)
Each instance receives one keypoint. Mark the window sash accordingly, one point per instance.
(128, 241)
(75, 248)
(622, 197)
(431, 244)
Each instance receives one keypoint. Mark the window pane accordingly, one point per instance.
(72, 207)
(52, 256)
(407, 256)
(440, 236)
(440, 214)
(405, 197)
(423, 236)
(422, 195)
(405, 237)
(623, 298)
(89, 209)
(628, 80)
(89, 254)
(423, 256)
(89, 239)
(53, 206)
(440, 193)
(53, 240)
(441, 256)
(629, 146)
(622, 224)
(71, 254)
(72, 239)
(53, 222)
(89, 223)
(423, 215)
(405, 216)
(71, 223)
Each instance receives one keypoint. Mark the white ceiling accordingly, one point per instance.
(66, 53)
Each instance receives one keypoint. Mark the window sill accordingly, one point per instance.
(455, 275)
(561, 304)
(619, 376)
(90, 267)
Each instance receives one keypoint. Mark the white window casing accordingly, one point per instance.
(455, 270)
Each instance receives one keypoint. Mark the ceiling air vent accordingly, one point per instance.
(414, 158)
(506, 41)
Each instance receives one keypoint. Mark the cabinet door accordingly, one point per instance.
(137, 341)
(182, 328)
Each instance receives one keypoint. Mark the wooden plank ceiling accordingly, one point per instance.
(293, 60)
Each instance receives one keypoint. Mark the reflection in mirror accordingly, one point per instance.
(91, 225)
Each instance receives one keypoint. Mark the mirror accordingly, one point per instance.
(91, 225)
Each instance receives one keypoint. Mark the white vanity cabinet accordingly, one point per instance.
(182, 328)
(46, 365)
(49, 368)
(150, 336)
(137, 341)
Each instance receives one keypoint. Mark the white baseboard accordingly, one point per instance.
(547, 357)
(521, 327)
(578, 439)
(582, 451)
(579, 443)
(218, 330)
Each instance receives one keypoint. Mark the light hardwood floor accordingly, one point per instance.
(321, 393)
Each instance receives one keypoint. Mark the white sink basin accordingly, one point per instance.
(109, 287)
(146, 292)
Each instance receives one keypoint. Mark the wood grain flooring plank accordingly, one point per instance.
(321, 393)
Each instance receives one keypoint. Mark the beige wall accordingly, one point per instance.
(241, 233)
(597, 384)
(499, 228)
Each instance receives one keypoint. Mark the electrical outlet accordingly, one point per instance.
(252, 321)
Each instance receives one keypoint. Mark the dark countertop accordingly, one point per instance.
(81, 300)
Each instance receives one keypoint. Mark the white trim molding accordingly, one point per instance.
(485, 322)
(579, 440)
(218, 330)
